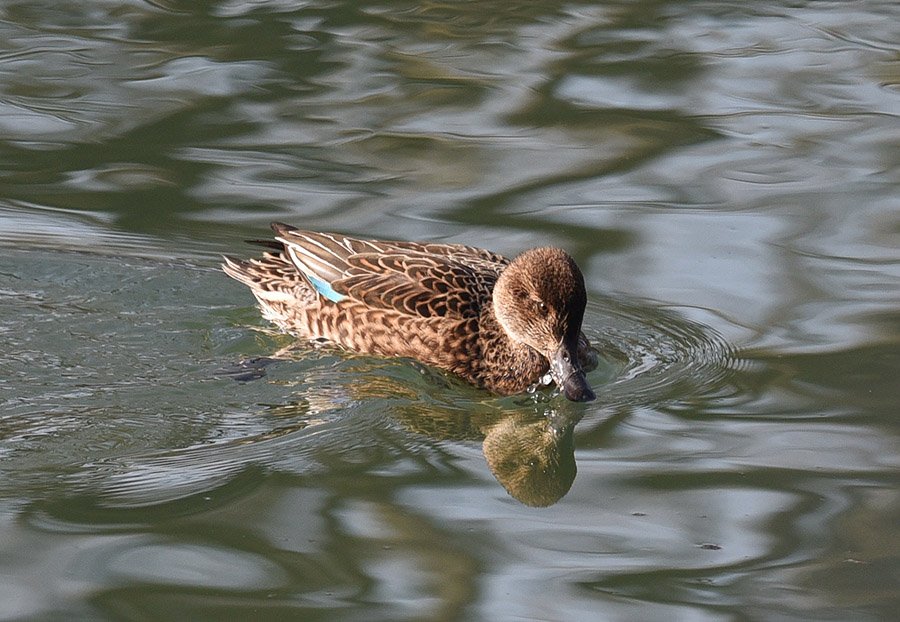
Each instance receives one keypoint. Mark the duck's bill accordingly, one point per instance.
(568, 375)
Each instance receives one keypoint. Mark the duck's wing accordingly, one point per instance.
(421, 279)
(418, 284)
(459, 252)
(328, 252)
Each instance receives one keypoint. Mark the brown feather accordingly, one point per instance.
(433, 302)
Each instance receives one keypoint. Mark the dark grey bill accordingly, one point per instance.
(567, 373)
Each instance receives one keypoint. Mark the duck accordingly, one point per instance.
(499, 324)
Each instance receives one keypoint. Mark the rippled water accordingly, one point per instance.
(725, 174)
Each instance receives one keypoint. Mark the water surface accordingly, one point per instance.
(725, 175)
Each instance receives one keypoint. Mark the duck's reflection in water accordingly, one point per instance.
(533, 456)
(530, 449)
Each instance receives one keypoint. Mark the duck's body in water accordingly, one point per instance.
(498, 324)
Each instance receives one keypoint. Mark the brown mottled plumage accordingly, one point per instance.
(498, 324)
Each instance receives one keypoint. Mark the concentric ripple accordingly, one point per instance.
(656, 354)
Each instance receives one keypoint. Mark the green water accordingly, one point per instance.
(725, 174)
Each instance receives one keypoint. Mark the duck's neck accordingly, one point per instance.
(509, 367)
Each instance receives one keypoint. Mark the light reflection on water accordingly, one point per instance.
(724, 175)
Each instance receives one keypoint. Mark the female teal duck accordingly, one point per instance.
(498, 324)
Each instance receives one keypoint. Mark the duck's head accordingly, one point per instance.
(539, 300)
